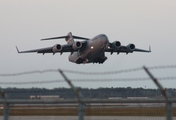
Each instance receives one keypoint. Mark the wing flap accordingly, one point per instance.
(125, 49)
(42, 50)
(141, 50)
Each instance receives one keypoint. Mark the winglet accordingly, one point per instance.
(17, 49)
(149, 49)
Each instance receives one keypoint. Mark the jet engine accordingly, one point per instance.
(116, 45)
(77, 45)
(130, 47)
(57, 48)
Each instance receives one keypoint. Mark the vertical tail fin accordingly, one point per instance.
(69, 39)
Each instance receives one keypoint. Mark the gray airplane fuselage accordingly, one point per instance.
(93, 49)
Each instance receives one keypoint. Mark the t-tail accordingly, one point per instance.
(69, 39)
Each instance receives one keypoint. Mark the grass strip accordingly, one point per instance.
(89, 112)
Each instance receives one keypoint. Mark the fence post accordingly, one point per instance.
(6, 110)
(81, 110)
(78, 95)
(169, 111)
(6, 105)
(164, 92)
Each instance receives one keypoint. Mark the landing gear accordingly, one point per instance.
(81, 61)
(100, 60)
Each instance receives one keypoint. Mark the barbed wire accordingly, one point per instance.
(120, 71)
(86, 80)
(87, 73)
(103, 73)
(29, 72)
(162, 67)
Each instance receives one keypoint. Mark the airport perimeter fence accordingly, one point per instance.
(89, 109)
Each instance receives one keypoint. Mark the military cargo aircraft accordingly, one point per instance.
(87, 51)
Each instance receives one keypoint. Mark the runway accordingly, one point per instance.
(86, 118)
(90, 105)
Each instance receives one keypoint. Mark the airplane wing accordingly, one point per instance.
(42, 50)
(125, 49)
(71, 45)
(56, 48)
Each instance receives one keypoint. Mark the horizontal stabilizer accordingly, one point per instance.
(76, 37)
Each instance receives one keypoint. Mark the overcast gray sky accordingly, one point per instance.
(142, 22)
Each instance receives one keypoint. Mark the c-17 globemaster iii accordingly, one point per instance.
(87, 51)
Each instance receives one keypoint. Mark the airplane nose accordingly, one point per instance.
(106, 41)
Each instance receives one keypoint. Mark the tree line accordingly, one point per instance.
(89, 93)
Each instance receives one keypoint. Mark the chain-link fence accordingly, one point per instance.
(89, 109)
